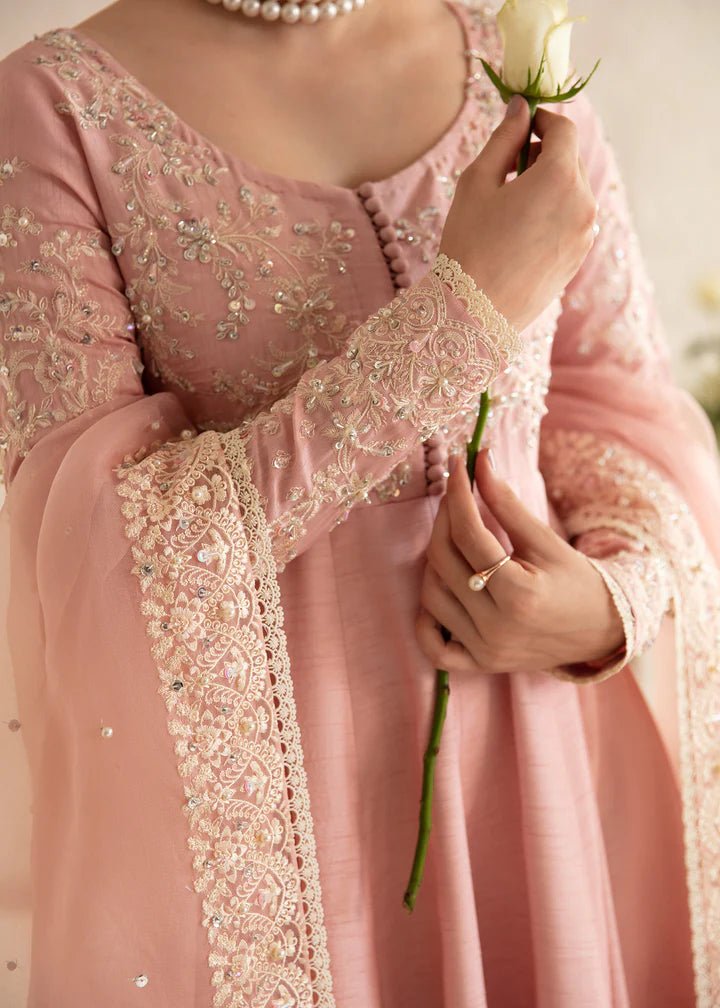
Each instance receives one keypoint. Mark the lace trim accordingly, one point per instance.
(505, 336)
(600, 484)
(202, 556)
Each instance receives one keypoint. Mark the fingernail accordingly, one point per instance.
(515, 105)
(491, 460)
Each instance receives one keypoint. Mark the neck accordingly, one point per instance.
(379, 28)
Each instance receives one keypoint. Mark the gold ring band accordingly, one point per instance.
(478, 580)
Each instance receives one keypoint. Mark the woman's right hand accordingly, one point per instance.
(523, 241)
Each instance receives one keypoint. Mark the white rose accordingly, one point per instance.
(709, 291)
(530, 28)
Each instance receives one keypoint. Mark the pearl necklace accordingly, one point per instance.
(290, 12)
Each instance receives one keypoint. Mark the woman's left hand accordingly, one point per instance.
(547, 607)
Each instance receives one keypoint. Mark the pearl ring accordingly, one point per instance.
(478, 580)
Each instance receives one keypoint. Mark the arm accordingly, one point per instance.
(612, 395)
(350, 420)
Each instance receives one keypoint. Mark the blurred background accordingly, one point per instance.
(655, 92)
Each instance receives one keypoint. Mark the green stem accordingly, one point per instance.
(473, 445)
(442, 692)
(442, 678)
(522, 161)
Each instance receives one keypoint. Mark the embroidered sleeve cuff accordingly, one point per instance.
(505, 336)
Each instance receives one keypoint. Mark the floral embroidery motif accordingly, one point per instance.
(422, 233)
(237, 246)
(598, 484)
(9, 168)
(479, 305)
(47, 375)
(619, 317)
(204, 564)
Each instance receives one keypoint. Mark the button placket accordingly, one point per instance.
(435, 448)
(387, 235)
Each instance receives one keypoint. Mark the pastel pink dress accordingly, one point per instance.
(227, 401)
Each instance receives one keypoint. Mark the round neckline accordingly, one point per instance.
(275, 180)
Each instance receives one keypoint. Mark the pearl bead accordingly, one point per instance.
(251, 7)
(310, 13)
(328, 10)
(290, 13)
(106, 731)
(232, 5)
(141, 980)
(345, 7)
(270, 10)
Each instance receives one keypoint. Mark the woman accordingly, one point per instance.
(235, 370)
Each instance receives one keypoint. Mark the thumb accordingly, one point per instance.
(531, 538)
(499, 155)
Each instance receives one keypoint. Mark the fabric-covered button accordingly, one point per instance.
(381, 218)
(436, 456)
(398, 265)
(373, 204)
(388, 234)
(436, 472)
(403, 280)
(393, 249)
(366, 190)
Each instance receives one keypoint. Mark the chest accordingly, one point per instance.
(330, 109)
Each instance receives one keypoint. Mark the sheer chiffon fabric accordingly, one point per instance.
(218, 397)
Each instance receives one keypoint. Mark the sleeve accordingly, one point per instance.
(614, 413)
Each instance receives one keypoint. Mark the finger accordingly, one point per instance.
(450, 656)
(499, 155)
(450, 565)
(558, 134)
(532, 538)
(440, 602)
(534, 152)
(472, 537)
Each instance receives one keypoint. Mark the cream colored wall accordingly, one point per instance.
(655, 92)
